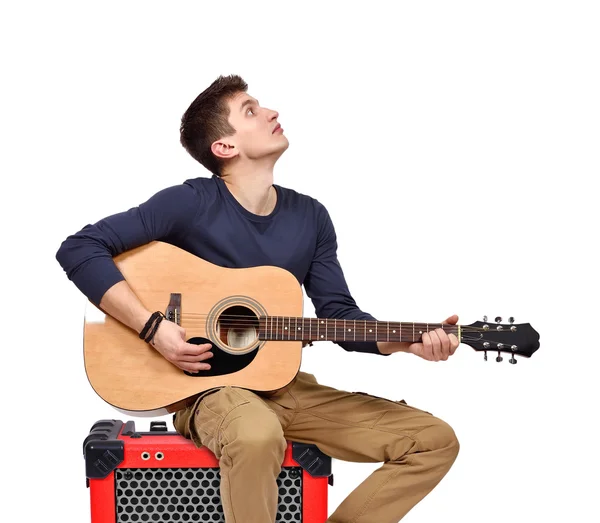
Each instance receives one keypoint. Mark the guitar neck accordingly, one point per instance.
(285, 328)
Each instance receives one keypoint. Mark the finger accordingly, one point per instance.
(437, 346)
(189, 358)
(194, 350)
(445, 343)
(451, 320)
(427, 347)
(454, 343)
(194, 367)
(416, 349)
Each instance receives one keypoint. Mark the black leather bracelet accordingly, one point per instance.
(149, 324)
(154, 328)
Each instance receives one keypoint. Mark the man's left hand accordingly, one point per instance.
(436, 345)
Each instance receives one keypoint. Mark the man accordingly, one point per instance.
(239, 218)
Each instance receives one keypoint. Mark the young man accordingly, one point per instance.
(239, 218)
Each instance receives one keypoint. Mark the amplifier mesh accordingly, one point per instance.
(191, 494)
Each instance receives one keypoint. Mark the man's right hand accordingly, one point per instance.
(169, 340)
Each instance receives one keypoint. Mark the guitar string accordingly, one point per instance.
(279, 330)
(249, 322)
(248, 319)
(292, 320)
(506, 347)
(293, 326)
(196, 314)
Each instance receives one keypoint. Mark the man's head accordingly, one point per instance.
(225, 126)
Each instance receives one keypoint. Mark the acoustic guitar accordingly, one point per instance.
(253, 319)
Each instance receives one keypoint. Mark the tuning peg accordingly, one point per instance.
(499, 358)
(498, 319)
(511, 320)
(512, 356)
(485, 318)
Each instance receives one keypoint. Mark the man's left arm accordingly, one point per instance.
(326, 286)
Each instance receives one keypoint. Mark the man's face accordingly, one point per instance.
(254, 137)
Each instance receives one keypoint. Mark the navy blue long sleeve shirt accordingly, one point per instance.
(203, 217)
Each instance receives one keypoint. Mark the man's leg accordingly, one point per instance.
(417, 448)
(247, 438)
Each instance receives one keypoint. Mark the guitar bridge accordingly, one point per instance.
(173, 312)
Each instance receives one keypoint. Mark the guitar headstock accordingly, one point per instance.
(521, 339)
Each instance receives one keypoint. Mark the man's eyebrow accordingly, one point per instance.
(248, 101)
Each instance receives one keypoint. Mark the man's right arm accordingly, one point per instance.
(87, 258)
(122, 304)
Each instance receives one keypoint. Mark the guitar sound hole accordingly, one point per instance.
(237, 327)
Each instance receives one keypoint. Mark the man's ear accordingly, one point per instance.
(223, 149)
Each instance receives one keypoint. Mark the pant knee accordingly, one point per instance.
(260, 437)
(439, 437)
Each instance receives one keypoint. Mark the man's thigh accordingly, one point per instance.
(233, 413)
(357, 426)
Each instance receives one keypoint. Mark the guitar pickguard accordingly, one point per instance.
(222, 362)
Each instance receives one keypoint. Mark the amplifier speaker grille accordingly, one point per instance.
(191, 494)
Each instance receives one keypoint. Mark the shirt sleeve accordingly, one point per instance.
(326, 285)
(87, 256)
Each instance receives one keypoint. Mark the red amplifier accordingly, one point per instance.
(160, 476)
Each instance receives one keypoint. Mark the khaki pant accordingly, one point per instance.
(248, 434)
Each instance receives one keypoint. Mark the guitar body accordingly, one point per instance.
(131, 375)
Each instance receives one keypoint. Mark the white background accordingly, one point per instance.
(455, 145)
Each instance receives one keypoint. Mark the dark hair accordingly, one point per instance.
(206, 120)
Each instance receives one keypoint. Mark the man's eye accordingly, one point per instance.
(250, 109)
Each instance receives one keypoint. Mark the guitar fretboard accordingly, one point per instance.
(327, 329)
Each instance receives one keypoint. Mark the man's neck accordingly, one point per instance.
(253, 189)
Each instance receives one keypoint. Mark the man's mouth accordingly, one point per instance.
(277, 129)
